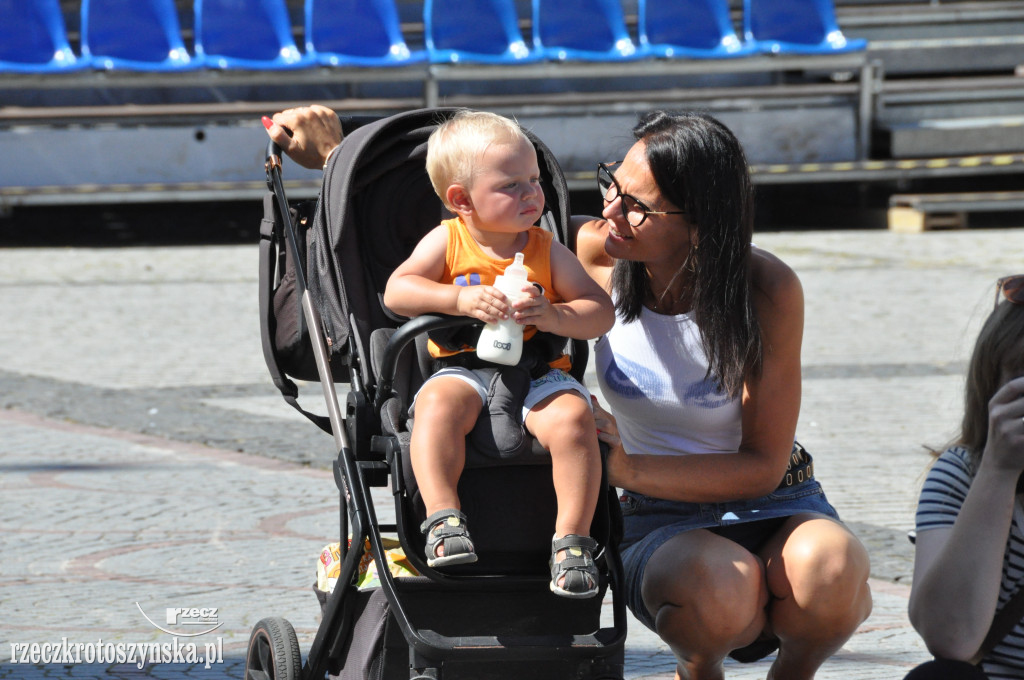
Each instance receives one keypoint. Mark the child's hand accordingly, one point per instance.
(535, 310)
(485, 303)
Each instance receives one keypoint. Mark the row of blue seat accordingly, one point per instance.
(145, 35)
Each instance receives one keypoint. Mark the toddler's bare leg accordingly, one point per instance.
(564, 425)
(446, 410)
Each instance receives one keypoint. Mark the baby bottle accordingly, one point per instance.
(502, 342)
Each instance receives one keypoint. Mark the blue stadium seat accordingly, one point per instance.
(246, 34)
(584, 30)
(700, 29)
(357, 33)
(136, 35)
(795, 27)
(474, 32)
(33, 38)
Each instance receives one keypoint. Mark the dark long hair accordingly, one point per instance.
(998, 349)
(699, 165)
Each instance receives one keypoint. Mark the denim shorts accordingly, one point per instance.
(649, 522)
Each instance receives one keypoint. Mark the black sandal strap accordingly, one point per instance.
(573, 541)
(441, 515)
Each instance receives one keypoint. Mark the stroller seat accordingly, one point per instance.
(495, 618)
(512, 499)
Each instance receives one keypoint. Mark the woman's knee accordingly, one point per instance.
(723, 588)
(825, 569)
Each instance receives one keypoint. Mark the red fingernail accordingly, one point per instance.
(267, 122)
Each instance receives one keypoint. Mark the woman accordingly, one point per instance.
(702, 370)
(969, 556)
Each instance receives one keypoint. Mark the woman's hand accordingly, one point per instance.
(958, 569)
(1004, 447)
(617, 462)
(307, 134)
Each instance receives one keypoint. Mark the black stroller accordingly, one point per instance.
(323, 273)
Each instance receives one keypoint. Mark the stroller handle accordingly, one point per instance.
(405, 334)
(348, 125)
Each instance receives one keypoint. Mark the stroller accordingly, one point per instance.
(323, 271)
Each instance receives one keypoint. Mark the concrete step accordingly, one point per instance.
(957, 136)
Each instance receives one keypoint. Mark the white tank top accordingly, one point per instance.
(651, 372)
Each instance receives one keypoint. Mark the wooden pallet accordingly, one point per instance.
(915, 213)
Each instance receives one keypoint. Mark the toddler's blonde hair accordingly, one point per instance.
(453, 148)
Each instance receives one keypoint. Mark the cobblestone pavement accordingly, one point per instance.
(149, 465)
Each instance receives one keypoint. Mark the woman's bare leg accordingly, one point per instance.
(817, 574)
(707, 595)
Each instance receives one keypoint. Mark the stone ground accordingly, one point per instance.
(148, 463)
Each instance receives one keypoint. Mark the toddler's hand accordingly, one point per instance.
(485, 303)
(535, 310)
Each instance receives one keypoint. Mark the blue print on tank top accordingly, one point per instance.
(705, 394)
(633, 381)
(623, 384)
(467, 280)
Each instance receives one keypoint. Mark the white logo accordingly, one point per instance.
(187, 616)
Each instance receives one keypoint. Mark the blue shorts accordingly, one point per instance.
(649, 522)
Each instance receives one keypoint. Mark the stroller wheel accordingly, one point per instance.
(273, 652)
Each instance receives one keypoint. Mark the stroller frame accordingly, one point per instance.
(273, 648)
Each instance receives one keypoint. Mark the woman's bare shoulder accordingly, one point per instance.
(774, 282)
(770, 275)
(591, 233)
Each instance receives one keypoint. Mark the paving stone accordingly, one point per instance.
(148, 463)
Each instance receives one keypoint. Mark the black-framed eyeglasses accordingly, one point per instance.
(633, 210)
(1012, 288)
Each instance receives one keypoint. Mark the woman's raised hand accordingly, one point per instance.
(307, 134)
(1005, 445)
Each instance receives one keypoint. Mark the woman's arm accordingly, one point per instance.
(770, 407)
(958, 570)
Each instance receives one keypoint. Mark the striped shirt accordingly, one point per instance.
(944, 492)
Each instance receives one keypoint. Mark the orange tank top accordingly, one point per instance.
(466, 264)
